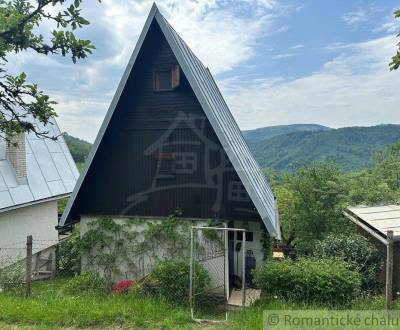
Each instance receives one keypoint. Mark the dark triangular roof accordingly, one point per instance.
(218, 114)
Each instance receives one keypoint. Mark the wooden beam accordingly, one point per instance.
(29, 242)
(389, 270)
(365, 227)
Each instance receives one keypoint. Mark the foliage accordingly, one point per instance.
(395, 64)
(12, 277)
(311, 205)
(351, 148)
(367, 188)
(69, 255)
(79, 148)
(359, 253)
(108, 244)
(88, 283)
(169, 279)
(51, 307)
(322, 281)
(18, 32)
(387, 166)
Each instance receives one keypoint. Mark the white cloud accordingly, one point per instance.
(282, 56)
(297, 46)
(222, 33)
(362, 14)
(354, 88)
(353, 17)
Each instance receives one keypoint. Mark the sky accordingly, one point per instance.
(276, 62)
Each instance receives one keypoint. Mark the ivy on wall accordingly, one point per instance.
(109, 245)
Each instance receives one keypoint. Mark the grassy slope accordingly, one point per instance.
(50, 308)
(351, 148)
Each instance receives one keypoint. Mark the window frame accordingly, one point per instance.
(156, 82)
(174, 75)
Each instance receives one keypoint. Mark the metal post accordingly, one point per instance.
(244, 269)
(389, 270)
(191, 272)
(226, 266)
(28, 265)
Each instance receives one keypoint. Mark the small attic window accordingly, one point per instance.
(167, 79)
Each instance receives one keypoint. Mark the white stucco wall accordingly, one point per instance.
(143, 263)
(215, 266)
(37, 220)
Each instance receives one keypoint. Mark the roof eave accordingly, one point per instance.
(39, 201)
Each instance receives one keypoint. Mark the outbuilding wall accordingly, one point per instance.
(38, 220)
(396, 261)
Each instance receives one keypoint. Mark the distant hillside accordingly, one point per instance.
(351, 147)
(79, 148)
(263, 133)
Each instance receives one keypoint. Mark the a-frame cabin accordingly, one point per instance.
(169, 141)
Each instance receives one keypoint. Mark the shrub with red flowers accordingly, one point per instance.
(122, 287)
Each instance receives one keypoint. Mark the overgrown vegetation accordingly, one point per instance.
(51, 307)
(311, 199)
(322, 281)
(88, 283)
(169, 280)
(108, 245)
(360, 255)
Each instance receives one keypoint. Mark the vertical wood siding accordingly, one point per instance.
(124, 177)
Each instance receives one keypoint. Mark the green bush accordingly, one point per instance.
(325, 281)
(359, 253)
(88, 283)
(69, 255)
(170, 280)
(12, 277)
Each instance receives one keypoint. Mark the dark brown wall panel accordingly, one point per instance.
(150, 131)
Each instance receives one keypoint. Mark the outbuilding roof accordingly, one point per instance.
(218, 114)
(51, 171)
(377, 219)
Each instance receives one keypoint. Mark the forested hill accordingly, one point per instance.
(79, 148)
(263, 133)
(286, 147)
(350, 147)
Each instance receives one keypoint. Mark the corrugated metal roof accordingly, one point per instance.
(380, 218)
(51, 171)
(217, 113)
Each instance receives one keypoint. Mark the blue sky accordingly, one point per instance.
(277, 62)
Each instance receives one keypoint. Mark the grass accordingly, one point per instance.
(50, 308)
